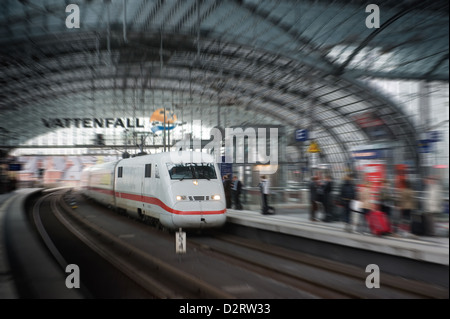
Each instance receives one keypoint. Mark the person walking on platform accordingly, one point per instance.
(236, 190)
(313, 198)
(347, 194)
(227, 190)
(265, 191)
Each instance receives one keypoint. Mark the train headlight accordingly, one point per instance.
(215, 197)
(181, 197)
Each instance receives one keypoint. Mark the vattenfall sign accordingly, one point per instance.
(93, 122)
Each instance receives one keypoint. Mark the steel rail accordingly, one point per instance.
(408, 285)
(43, 233)
(401, 285)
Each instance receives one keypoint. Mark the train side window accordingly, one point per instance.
(120, 171)
(148, 170)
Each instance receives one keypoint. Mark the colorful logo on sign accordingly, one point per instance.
(158, 119)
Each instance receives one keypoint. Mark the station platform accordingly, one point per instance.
(295, 221)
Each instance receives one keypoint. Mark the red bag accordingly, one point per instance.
(378, 222)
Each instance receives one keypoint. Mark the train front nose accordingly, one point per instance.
(199, 214)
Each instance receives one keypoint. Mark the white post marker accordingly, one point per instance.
(180, 242)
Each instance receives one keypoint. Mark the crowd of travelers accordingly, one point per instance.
(403, 210)
(398, 206)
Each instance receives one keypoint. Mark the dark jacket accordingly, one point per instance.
(313, 190)
(327, 197)
(347, 191)
(239, 186)
(227, 187)
(327, 187)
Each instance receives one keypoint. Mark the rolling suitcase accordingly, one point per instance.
(429, 224)
(422, 224)
(417, 224)
(378, 223)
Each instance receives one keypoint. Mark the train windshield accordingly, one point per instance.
(192, 171)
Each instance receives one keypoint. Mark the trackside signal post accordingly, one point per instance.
(180, 242)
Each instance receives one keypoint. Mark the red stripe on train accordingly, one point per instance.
(155, 201)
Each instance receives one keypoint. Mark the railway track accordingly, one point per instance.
(217, 265)
(156, 278)
(322, 277)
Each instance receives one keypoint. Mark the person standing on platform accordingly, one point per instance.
(365, 205)
(433, 197)
(236, 190)
(227, 190)
(265, 191)
(406, 203)
(433, 203)
(327, 200)
(348, 193)
(313, 184)
(320, 186)
(385, 197)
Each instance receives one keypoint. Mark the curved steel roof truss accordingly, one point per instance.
(297, 62)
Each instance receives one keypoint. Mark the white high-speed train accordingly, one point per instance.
(179, 189)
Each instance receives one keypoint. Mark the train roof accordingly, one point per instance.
(175, 157)
(166, 157)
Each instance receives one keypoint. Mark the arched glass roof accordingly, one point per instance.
(296, 63)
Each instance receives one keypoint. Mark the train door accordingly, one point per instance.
(146, 190)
